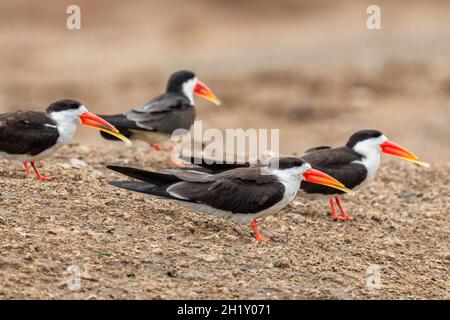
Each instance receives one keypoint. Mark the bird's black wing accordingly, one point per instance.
(317, 148)
(242, 190)
(122, 124)
(211, 166)
(338, 163)
(27, 132)
(155, 178)
(164, 114)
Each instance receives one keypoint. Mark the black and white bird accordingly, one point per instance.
(242, 194)
(157, 119)
(29, 136)
(354, 164)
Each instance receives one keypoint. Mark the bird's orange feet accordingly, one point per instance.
(257, 235)
(333, 212)
(46, 177)
(343, 214)
(39, 175)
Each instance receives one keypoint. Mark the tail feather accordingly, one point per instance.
(212, 166)
(155, 178)
(143, 187)
(121, 123)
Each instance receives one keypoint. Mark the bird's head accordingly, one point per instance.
(186, 83)
(68, 113)
(366, 142)
(294, 166)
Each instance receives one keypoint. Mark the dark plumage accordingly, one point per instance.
(63, 105)
(210, 166)
(239, 194)
(337, 163)
(242, 190)
(29, 136)
(158, 118)
(354, 165)
(27, 132)
(164, 114)
(362, 135)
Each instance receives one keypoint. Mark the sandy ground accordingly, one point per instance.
(308, 68)
(128, 245)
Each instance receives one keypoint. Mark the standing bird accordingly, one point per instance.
(242, 194)
(155, 121)
(29, 136)
(355, 164)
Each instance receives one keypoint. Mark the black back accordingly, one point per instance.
(164, 114)
(337, 163)
(27, 132)
(242, 190)
(210, 166)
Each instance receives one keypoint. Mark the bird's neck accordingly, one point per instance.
(290, 178)
(371, 159)
(67, 126)
(189, 94)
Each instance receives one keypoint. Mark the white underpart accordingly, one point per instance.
(290, 178)
(66, 123)
(188, 89)
(370, 150)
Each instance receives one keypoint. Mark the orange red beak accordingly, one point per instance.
(400, 152)
(316, 176)
(202, 90)
(92, 120)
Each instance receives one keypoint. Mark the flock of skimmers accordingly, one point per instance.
(241, 192)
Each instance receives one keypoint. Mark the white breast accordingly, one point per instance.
(371, 157)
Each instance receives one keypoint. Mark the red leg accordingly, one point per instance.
(343, 214)
(26, 167)
(38, 175)
(333, 212)
(155, 147)
(257, 235)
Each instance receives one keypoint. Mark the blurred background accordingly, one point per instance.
(310, 68)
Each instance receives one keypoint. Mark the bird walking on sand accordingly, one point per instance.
(242, 194)
(29, 136)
